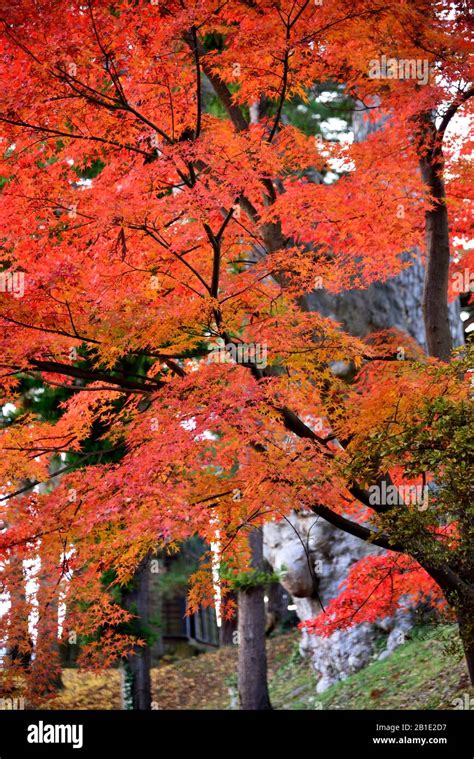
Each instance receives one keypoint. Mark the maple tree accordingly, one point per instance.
(158, 232)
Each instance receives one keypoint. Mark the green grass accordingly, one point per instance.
(426, 672)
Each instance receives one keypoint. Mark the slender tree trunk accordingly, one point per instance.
(435, 296)
(466, 631)
(138, 664)
(252, 667)
(19, 644)
(19, 648)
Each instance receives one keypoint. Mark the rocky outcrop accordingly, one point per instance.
(314, 559)
(317, 556)
(383, 305)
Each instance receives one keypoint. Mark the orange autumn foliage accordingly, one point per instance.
(148, 229)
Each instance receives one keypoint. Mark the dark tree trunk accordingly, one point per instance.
(19, 644)
(139, 665)
(228, 628)
(435, 296)
(465, 618)
(136, 600)
(252, 667)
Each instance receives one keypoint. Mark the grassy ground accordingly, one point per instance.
(424, 673)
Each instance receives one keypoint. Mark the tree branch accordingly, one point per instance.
(363, 533)
(74, 371)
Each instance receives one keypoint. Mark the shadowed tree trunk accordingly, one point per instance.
(137, 666)
(19, 645)
(252, 667)
(435, 300)
(466, 631)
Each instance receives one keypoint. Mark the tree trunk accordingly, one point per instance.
(137, 665)
(435, 296)
(15, 625)
(465, 618)
(19, 643)
(252, 667)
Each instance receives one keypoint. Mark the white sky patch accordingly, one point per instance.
(330, 177)
(333, 127)
(337, 165)
(347, 137)
(188, 424)
(457, 132)
(62, 607)
(86, 183)
(328, 97)
(459, 129)
(207, 435)
(462, 242)
(216, 564)
(4, 607)
(31, 568)
(35, 393)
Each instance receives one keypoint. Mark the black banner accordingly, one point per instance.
(131, 734)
